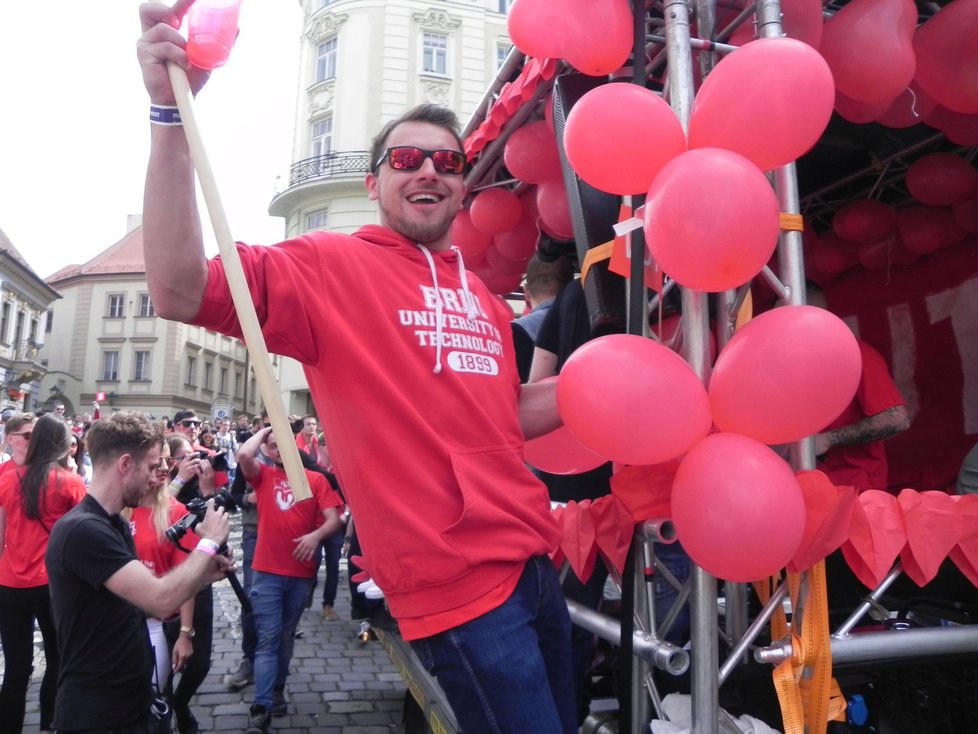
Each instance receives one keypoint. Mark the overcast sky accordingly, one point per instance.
(74, 131)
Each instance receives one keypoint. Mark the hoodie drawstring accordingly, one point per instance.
(470, 309)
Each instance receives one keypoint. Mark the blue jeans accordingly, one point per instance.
(277, 603)
(249, 636)
(674, 558)
(510, 671)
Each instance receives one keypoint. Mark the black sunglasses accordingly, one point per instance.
(409, 158)
(187, 423)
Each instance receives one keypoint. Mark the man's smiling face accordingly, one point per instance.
(421, 204)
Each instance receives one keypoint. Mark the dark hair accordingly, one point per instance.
(431, 113)
(48, 449)
(125, 432)
(547, 277)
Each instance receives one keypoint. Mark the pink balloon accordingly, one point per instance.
(869, 46)
(958, 127)
(833, 255)
(888, 252)
(603, 35)
(942, 179)
(520, 242)
(495, 210)
(498, 282)
(499, 263)
(860, 112)
(785, 375)
(558, 452)
(711, 219)
(619, 136)
(927, 229)
(539, 28)
(531, 153)
(554, 210)
(632, 400)
(864, 220)
(779, 123)
(910, 108)
(738, 509)
(947, 56)
(467, 238)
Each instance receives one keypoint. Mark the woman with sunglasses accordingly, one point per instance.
(157, 511)
(32, 498)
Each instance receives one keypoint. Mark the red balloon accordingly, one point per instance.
(499, 263)
(965, 215)
(498, 282)
(910, 107)
(520, 242)
(467, 238)
(495, 210)
(558, 452)
(785, 375)
(619, 136)
(603, 36)
(711, 219)
(833, 255)
(958, 127)
(860, 112)
(869, 46)
(554, 210)
(887, 253)
(776, 125)
(531, 153)
(864, 220)
(539, 28)
(738, 508)
(927, 229)
(632, 400)
(942, 179)
(947, 56)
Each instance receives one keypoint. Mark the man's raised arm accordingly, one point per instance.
(173, 248)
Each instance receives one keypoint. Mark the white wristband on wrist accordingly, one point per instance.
(208, 546)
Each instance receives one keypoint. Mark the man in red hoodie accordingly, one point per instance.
(415, 383)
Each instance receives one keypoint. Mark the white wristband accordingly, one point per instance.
(208, 546)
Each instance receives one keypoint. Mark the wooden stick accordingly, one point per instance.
(247, 318)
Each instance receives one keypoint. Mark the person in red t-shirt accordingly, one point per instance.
(284, 566)
(850, 449)
(32, 498)
(148, 523)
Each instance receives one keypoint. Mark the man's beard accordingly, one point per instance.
(421, 232)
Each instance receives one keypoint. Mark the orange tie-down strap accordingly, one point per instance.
(809, 696)
(791, 222)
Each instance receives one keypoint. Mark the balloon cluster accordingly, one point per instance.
(873, 234)
(738, 509)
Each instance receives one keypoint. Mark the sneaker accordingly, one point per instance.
(258, 721)
(329, 614)
(243, 676)
(280, 706)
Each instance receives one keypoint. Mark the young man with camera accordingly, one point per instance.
(100, 590)
(284, 565)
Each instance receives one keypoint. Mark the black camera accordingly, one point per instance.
(196, 509)
(219, 461)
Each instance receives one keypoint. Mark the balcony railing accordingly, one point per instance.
(329, 165)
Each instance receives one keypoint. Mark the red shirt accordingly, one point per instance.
(281, 520)
(25, 540)
(156, 551)
(863, 465)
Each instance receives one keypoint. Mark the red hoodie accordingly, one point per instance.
(421, 411)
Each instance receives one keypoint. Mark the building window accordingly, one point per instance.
(5, 322)
(501, 53)
(33, 331)
(322, 136)
(504, 5)
(115, 307)
(145, 306)
(19, 329)
(316, 220)
(140, 366)
(223, 386)
(191, 370)
(237, 384)
(110, 365)
(208, 375)
(326, 60)
(435, 54)
(324, 3)
(49, 323)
